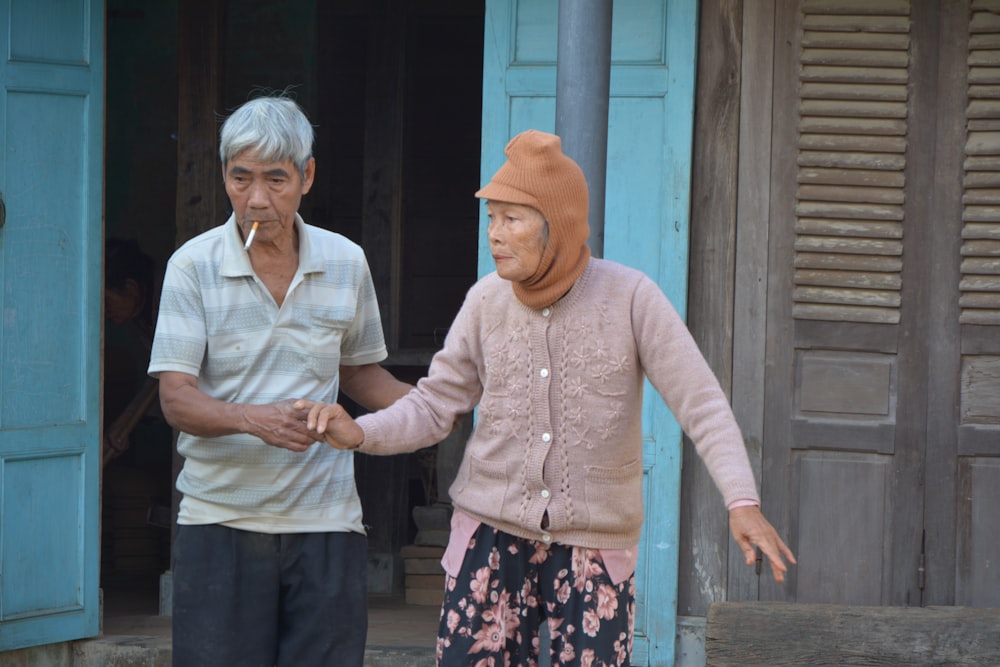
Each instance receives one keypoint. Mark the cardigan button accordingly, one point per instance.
(546, 437)
(546, 312)
(546, 538)
(545, 493)
(544, 372)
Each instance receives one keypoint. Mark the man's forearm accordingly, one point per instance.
(371, 386)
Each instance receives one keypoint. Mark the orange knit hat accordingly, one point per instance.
(538, 174)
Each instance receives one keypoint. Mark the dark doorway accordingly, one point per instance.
(394, 90)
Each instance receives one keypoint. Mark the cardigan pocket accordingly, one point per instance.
(614, 498)
(485, 488)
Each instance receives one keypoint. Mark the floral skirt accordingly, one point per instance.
(509, 586)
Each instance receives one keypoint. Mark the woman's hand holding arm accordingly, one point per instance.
(331, 422)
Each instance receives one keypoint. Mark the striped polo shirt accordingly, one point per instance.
(218, 322)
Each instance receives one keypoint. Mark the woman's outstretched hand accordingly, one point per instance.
(750, 529)
(331, 422)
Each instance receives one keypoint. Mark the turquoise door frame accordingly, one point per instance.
(51, 177)
(650, 134)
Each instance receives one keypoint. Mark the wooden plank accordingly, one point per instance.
(854, 160)
(984, 92)
(981, 265)
(842, 561)
(847, 262)
(980, 340)
(840, 313)
(983, 143)
(853, 107)
(854, 57)
(712, 260)
(854, 75)
(866, 144)
(980, 300)
(926, 269)
(750, 308)
(874, 229)
(985, 21)
(988, 40)
(857, 23)
(983, 108)
(984, 75)
(855, 40)
(975, 283)
(200, 194)
(864, 280)
(874, 437)
(982, 163)
(779, 502)
(848, 211)
(748, 634)
(849, 245)
(866, 127)
(972, 316)
(978, 490)
(846, 336)
(858, 177)
(850, 297)
(984, 58)
(863, 7)
(983, 125)
(838, 384)
(982, 230)
(836, 91)
(981, 248)
(986, 185)
(975, 440)
(851, 194)
(383, 155)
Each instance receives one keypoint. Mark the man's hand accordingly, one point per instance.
(279, 424)
(750, 529)
(331, 422)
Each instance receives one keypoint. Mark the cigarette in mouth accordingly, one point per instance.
(253, 230)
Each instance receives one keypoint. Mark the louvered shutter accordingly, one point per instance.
(851, 156)
(980, 284)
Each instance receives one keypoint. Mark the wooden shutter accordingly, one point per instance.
(980, 283)
(851, 156)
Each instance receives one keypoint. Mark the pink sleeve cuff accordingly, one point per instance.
(742, 503)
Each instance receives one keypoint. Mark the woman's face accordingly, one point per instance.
(517, 239)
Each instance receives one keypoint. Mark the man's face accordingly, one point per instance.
(266, 192)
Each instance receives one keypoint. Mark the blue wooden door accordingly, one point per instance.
(650, 129)
(51, 155)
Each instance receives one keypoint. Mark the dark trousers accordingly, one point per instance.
(259, 600)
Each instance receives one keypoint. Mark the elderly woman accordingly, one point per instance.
(553, 348)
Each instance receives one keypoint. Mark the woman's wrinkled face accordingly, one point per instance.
(517, 235)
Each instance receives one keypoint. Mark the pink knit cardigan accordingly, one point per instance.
(556, 454)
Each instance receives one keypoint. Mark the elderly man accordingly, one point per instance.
(270, 552)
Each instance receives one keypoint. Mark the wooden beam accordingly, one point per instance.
(200, 195)
(776, 634)
(704, 534)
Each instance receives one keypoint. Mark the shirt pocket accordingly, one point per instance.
(326, 334)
